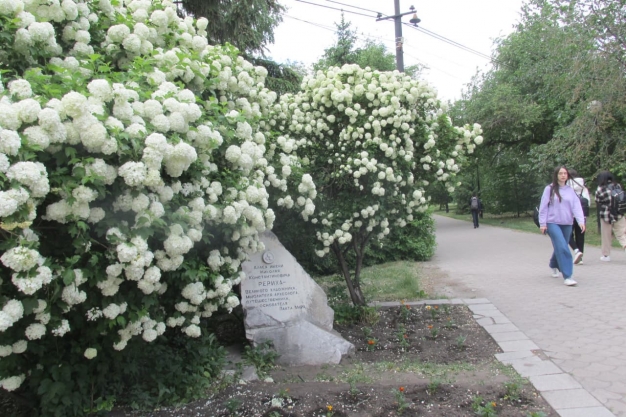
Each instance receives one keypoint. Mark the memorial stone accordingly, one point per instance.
(282, 303)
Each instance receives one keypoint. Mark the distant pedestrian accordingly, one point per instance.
(608, 220)
(558, 208)
(577, 240)
(476, 206)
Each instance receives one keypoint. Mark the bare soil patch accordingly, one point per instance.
(410, 360)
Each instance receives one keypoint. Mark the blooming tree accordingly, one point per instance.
(133, 177)
(373, 140)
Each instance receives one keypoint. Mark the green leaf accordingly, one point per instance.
(29, 305)
(68, 276)
(121, 321)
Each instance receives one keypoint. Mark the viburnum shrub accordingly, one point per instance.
(374, 141)
(133, 178)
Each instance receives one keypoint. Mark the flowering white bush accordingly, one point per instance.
(133, 176)
(375, 140)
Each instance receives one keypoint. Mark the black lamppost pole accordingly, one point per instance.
(398, 23)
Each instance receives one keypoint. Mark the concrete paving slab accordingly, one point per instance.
(496, 328)
(534, 366)
(509, 336)
(470, 301)
(517, 345)
(479, 308)
(570, 398)
(554, 382)
(508, 357)
(586, 412)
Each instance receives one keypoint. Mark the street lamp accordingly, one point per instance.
(414, 20)
(398, 23)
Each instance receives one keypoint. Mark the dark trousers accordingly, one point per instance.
(577, 240)
(475, 218)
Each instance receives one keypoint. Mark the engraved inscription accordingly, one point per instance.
(271, 287)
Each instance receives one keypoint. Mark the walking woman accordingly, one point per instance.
(559, 207)
(609, 220)
(577, 241)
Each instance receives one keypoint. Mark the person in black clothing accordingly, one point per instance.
(476, 206)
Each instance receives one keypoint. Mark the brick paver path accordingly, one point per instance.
(581, 329)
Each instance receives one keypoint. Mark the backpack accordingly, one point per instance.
(474, 203)
(536, 216)
(536, 213)
(618, 200)
(584, 203)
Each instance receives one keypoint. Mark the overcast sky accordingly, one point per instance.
(308, 29)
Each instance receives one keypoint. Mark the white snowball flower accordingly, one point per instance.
(20, 258)
(20, 89)
(193, 331)
(90, 353)
(10, 141)
(35, 331)
(20, 346)
(12, 383)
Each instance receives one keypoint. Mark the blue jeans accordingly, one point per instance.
(561, 257)
(475, 218)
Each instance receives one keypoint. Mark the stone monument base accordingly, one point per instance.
(303, 343)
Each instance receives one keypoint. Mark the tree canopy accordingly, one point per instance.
(555, 95)
(247, 24)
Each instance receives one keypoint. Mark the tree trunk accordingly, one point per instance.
(354, 287)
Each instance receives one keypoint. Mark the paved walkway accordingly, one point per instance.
(581, 329)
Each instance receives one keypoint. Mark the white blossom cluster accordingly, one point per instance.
(380, 136)
(167, 161)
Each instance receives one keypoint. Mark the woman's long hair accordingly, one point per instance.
(555, 182)
(605, 178)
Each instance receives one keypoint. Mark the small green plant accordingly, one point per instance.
(371, 344)
(367, 332)
(460, 341)
(232, 405)
(283, 393)
(450, 324)
(353, 388)
(370, 315)
(274, 414)
(346, 313)
(349, 314)
(446, 309)
(403, 404)
(405, 312)
(513, 390)
(433, 331)
(484, 409)
(433, 310)
(262, 357)
(403, 338)
(433, 386)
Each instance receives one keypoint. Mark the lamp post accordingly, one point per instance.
(398, 23)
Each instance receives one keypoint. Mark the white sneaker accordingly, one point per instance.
(581, 262)
(578, 257)
(569, 282)
(555, 273)
(605, 259)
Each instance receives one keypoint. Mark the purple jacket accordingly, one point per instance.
(560, 212)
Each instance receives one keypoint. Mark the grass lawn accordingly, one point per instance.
(391, 281)
(525, 223)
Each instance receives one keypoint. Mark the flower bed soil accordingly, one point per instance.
(409, 361)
